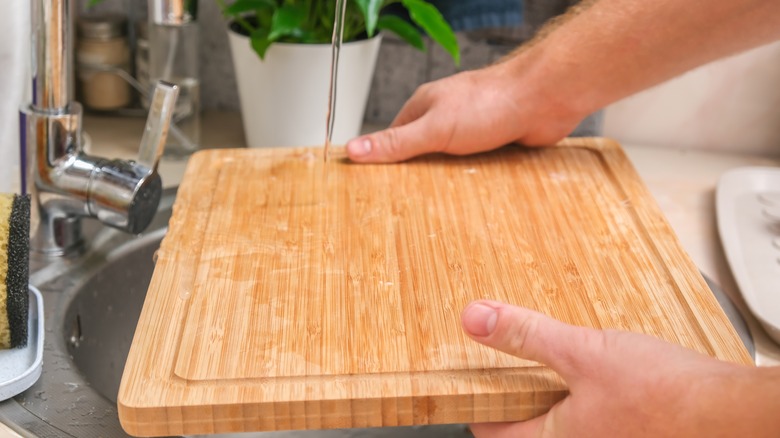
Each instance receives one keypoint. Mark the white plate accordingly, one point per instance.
(21, 367)
(751, 239)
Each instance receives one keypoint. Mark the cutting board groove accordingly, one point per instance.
(294, 294)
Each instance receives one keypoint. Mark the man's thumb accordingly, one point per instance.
(530, 335)
(390, 145)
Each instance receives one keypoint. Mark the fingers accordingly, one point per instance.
(530, 335)
(391, 145)
(411, 134)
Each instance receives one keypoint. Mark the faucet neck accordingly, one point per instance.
(52, 63)
(56, 177)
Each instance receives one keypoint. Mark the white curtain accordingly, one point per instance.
(14, 86)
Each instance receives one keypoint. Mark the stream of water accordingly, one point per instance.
(338, 37)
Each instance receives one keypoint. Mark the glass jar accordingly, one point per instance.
(142, 59)
(173, 57)
(101, 50)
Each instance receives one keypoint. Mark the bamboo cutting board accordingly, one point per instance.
(293, 294)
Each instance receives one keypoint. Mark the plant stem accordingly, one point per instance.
(240, 20)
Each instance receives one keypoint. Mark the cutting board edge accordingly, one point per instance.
(340, 413)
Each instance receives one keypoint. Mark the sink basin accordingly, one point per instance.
(100, 321)
(92, 303)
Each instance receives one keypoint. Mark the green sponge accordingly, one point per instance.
(14, 269)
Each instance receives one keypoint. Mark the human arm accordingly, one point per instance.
(598, 53)
(627, 384)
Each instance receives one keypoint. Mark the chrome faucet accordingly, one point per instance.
(65, 183)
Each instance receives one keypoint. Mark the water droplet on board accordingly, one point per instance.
(328, 247)
(308, 157)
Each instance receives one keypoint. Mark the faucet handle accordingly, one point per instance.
(158, 122)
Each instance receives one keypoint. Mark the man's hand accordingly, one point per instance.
(466, 113)
(621, 384)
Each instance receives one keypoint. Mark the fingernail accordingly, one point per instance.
(359, 147)
(479, 319)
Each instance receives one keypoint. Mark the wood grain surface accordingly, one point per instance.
(290, 293)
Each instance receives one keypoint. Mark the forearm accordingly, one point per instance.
(613, 48)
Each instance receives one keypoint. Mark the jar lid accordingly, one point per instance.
(173, 12)
(102, 25)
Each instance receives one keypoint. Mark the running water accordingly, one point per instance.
(338, 36)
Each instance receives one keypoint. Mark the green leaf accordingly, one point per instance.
(241, 6)
(370, 10)
(260, 42)
(305, 36)
(403, 29)
(433, 23)
(288, 21)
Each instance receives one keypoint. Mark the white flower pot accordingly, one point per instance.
(284, 98)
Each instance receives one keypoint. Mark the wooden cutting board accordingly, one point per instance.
(293, 294)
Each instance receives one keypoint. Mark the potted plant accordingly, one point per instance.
(282, 56)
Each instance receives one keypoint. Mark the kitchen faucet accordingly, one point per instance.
(65, 183)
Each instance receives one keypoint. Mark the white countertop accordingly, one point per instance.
(682, 182)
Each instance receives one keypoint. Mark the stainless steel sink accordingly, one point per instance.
(91, 306)
(92, 303)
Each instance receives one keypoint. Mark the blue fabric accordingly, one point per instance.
(478, 14)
